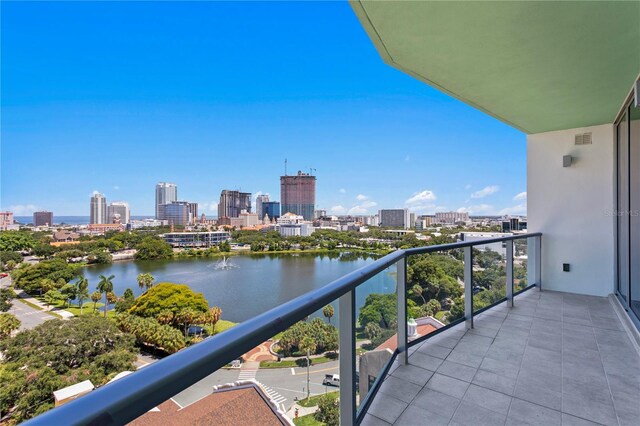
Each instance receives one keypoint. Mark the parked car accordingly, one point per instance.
(331, 380)
(4, 275)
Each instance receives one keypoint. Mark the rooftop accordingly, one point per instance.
(554, 358)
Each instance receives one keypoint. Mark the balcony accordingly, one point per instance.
(553, 358)
(541, 357)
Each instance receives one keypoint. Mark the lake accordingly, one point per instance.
(256, 284)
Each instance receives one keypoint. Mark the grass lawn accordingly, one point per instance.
(314, 400)
(87, 308)
(292, 363)
(223, 325)
(307, 420)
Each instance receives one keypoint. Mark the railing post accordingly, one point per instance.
(468, 286)
(509, 254)
(534, 261)
(347, 329)
(401, 286)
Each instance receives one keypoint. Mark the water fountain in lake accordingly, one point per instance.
(224, 265)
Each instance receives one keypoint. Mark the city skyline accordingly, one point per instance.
(175, 112)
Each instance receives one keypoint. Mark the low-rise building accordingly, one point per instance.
(195, 239)
(499, 247)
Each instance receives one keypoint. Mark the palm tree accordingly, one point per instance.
(145, 281)
(106, 286)
(328, 312)
(417, 290)
(215, 314)
(309, 345)
(95, 298)
(82, 286)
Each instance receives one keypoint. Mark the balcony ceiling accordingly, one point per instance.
(538, 66)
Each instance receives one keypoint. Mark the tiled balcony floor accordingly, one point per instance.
(555, 358)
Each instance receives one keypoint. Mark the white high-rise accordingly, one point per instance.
(98, 209)
(259, 200)
(166, 193)
(120, 208)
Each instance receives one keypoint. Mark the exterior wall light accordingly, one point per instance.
(566, 160)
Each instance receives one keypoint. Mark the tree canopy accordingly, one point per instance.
(29, 277)
(153, 248)
(16, 241)
(57, 354)
(168, 297)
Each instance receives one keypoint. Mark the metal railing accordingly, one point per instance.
(132, 396)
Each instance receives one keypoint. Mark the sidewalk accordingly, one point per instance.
(302, 411)
(24, 296)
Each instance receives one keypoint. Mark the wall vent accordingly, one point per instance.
(583, 139)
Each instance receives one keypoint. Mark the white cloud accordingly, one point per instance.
(338, 209)
(361, 197)
(211, 207)
(342, 191)
(421, 197)
(116, 187)
(357, 210)
(520, 196)
(487, 190)
(23, 209)
(476, 209)
(259, 193)
(520, 209)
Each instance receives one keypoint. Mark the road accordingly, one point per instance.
(29, 317)
(282, 384)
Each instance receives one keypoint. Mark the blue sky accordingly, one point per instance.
(115, 97)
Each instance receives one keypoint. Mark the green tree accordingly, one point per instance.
(328, 312)
(44, 250)
(372, 331)
(58, 353)
(308, 345)
(6, 296)
(145, 281)
(328, 410)
(8, 323)
(379, 309)
(225, 247)
(186, 317)
(171, 297)
(105, 285)
(126, 301)
(7, 256)
(29, 277)
(82, 291)
(95, 298)
(99, 257)
(153, 248)
(417, 290)
(215, 313)
(69, 292)
(16, 241)
(53, 297)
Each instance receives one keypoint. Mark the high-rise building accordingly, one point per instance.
(166, 193)
(6, 220)
(98, 209)
(259, 200)
(395, 218)
(298, 194)
(452, 217)
(121, 209)
(233, 202)
(319, 213)
(179, 213)
(272, 209)
(42, 218)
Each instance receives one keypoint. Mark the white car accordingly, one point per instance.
(331, 380)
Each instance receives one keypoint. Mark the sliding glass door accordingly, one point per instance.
(634, 217)
(628, 209)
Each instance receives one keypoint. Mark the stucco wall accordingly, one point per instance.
(572, 207)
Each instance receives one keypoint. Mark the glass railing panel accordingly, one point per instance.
(435, 290)
(376, 328)
(489, 274)
(520, 263)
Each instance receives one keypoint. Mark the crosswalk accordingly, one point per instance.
(248, 374)
(275, 396)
